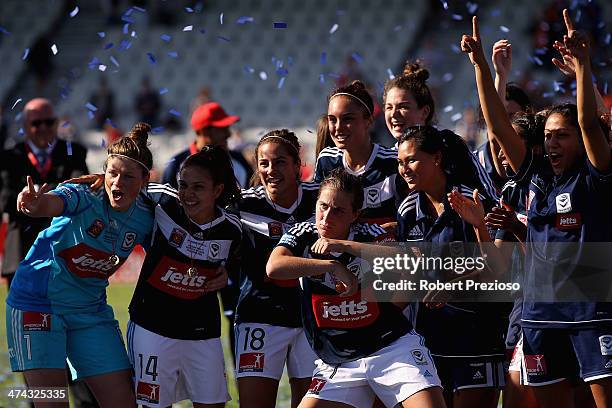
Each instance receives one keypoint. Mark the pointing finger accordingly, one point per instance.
(568, 21)
(475, 32)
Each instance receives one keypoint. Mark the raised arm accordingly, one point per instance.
(493, 109)
(39, 203)
(595, 142)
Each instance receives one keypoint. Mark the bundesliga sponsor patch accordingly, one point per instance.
(419, 357)
(343, 312)
(316, 385)
(36, 321)
(605, 344)
(535, 364)
(95, 229)
(251, 362)
(569, 221)
(147, 392)
(177, 236)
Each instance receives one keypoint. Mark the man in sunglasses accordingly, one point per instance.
(48, 160)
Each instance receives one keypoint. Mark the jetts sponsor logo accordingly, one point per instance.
(316, 385)
(535, 364)
(171, 277)
(419, 357)
(95, 229)
(343, 312)
(275, 229)
(129, 239)
(564, 203)
(177, 236)
(372, 196)
(605, 344)
(251, 362)
(147, 392)
(87, 262)
(569, 221)
(36, 321)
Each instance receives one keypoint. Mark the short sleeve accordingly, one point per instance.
(76, 197)
(297, 238)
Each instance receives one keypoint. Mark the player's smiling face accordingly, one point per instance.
(198, 193)
(278, 170)
(562, 143)
(123, 180)
(402, 111)
(420, 169)
(335, 213)
(347, 123)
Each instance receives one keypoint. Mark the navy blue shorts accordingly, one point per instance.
(459, 373)
(552, 355)
(514, 325)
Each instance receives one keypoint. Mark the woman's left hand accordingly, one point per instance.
(471, 211)
(325, 245)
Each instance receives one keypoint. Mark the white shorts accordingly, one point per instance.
(170, 370)
(517, 356)
(393, 374)
(262, 349)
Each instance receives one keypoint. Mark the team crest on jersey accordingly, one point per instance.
(95, 229)
(147, 392)
(605, 344)
(355, 268)
(456, 249)
(251, 362)
(275, 229)
(129, 240)
(213, 250)
(535, 364)
(36, 321)
(372, 196)
(419, 357)
(316, 385)
(564, 203)
(177, 237)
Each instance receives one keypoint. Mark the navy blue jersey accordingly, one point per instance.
(438, 326)
(573, 208)
(168, 300)
(485, 158)
(382, 185)
(342, 329)
(265, 300)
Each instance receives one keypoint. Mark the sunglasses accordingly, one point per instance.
(49, 122)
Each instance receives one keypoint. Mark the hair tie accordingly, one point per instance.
(282, 139)
(132, 159)
(352, 96)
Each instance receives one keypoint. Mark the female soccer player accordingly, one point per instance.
(269, 331)
(174, 329)
(366, 348)
(56, 308)
(568, 202)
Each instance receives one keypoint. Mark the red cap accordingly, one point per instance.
(211, 114)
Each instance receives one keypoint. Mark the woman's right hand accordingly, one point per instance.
(346, 281)
(502, 58)
(95, 181)
(28, 201)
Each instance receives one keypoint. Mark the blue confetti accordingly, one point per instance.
(126, 28)
(188, 28)
(226, 39)
(173, 54)
(455, 48)
(447, 77)
(282, 72)
(163, 91)
(20, 132)
(221, 18)
(444, 4)
(158, 129)
(203, 31)
(114, 61)
(102, 143)
(605, 88)
(245, 19)
(93, 63)
(279, 24)
(290, 60)
(323, 58)
(540, 51)
(109, 46)
(263, 76)
(134, 34)
(18, 116)
(165, 37)
(248, 69)
(578, 16)
(65, 124)
(127, 19)
(101, 34)
(74, 12)
(557, 87)
(281, 82)
(151, 58)
(174, 112)
(90, 115)
(456, 117)
(26, 52)
(537, 60)
(69, 148)
(125, 45)
(110, 122)
(188, 9)
(357, 57)
(91, 106)
(322, 78)
(129, 11)
(448, 108)
(397, 28)
(504, 29)
(472, 7)
(333, 29)
(457, 17)
(4, 31)
(390, 73)
(607, 39)
(140, 9)
(495, 12)
(16, 102)
(333, 75)
(548, 95)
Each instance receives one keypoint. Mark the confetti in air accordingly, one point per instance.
(504, 29)
(54, 49)
(456, 117)
(102, 67)
(263, 76)
(74, 12)
(248, 69)
(101, 34)
(333, 29)
(174, 112)
(114, 61)
(357, 57)
(221, 18)
(69, 148)
(151, 58)
(448, 108)
(281, 82)
(245, 19)
(390, 73)
(188, 28)
(163, 91)
(173, 54)
(165, 37)
(26, 52)
(91, 106)
(279, 24)
(16, 102)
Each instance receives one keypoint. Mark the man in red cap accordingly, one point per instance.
(211, 125)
